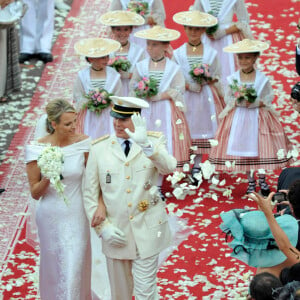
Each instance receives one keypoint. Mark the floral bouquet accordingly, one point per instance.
(120, 63)
(200, 73)
(213, 29)
(146, 88)
(98, 99)
(139, 7)
(243, 92)
(50, 162)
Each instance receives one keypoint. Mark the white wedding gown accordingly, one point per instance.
(63, 230)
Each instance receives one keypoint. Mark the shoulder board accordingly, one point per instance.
(156, 134)
(102, 138)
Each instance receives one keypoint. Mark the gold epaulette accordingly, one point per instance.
(102, 138)
(156, 134)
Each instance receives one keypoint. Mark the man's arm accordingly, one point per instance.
(91, 189)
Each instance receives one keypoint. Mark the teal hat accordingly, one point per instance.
(253, 242)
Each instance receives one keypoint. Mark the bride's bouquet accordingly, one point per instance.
(50, 161)
(98, 99)
(243, 92)
(201, 73)
(146, 88)
(120, 63)
(138, 7)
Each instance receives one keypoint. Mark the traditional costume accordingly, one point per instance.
(155, 9)
(224, 10)
(170, 112)
(136, 52)
(89, 122)
(250, 136)
(204, 102)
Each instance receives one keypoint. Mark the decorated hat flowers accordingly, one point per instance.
(158, 33)
(122, 18)
(125, 107)
(253, 242)
(246, 46)
(195, 19)
(96, 47)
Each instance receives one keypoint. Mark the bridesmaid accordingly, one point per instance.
(154, 15)
(122, 23)
(168, 104)
(92, 120)
(228, 32)
(250, 135)
(204, 100)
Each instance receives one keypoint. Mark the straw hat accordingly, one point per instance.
(125, 107)
(195, 19)
(158, 33)
(122, 18)
(246, 46)
(96, 47)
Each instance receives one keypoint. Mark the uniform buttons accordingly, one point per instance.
(127, 177)
(131, 217)
(144, 166)
(113, 142)
(127, 164)
(159, 222)
(128, 191)
(129, 204)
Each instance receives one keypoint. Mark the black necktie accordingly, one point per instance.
(127, 147)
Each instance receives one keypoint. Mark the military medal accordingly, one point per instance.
(108, 178)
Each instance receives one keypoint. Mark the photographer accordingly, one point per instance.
(295, 94)
(288, 199)
(282, 241)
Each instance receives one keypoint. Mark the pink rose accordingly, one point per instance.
(201, 71)
(237, 95)
(104, 101)
(141, 85)
(196, 71)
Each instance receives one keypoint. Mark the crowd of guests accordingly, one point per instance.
(206, 90)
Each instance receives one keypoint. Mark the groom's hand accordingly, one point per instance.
(140, 131)
(113, 236)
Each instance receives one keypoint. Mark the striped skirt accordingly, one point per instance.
(203, 145)
(271, 138)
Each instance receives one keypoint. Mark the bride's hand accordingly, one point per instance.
(99, 215)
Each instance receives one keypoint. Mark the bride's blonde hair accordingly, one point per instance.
(54, 110)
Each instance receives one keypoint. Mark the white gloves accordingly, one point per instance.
(113, 236)
(140, 132)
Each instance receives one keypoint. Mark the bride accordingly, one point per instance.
(63, 229)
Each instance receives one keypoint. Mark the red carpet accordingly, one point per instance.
(201, 268)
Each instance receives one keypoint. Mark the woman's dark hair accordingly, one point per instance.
(294, 197)
(262, 286)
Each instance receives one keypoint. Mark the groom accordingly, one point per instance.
(122, 171)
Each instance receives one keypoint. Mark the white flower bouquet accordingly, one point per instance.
(50, 161)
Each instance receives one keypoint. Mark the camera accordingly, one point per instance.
(279, 197)
(295, 93)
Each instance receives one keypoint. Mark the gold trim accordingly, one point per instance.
(124, 112)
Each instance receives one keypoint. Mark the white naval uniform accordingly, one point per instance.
(147, 232)
(37, 27)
